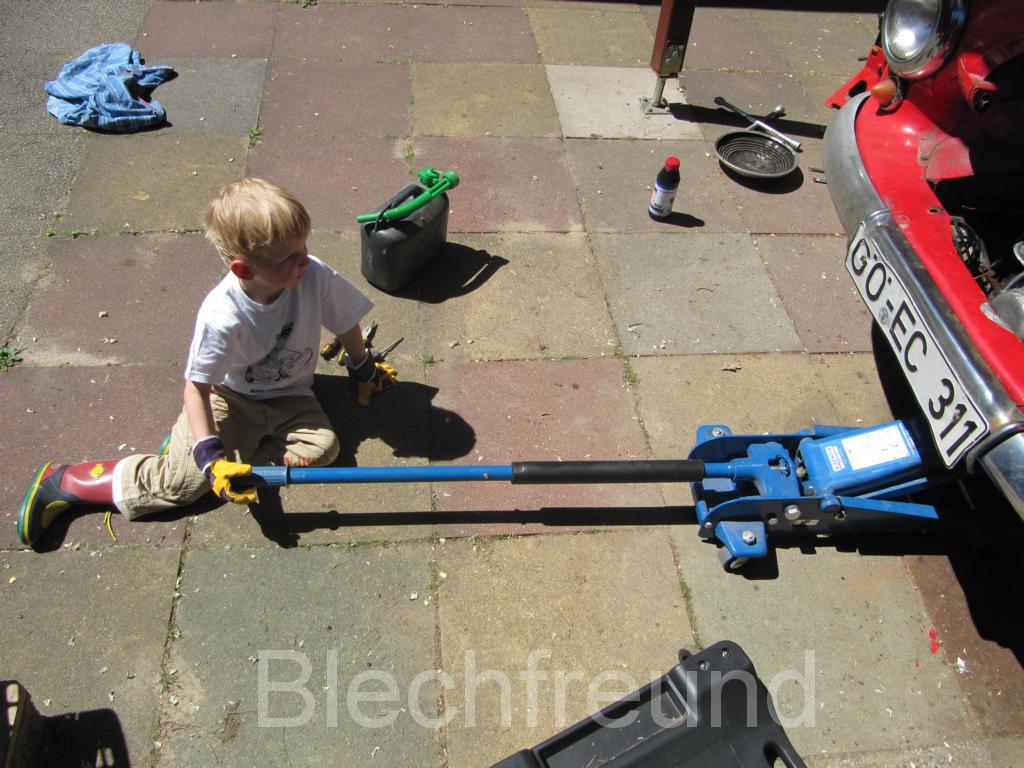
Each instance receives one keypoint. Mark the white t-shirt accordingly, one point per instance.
(270, 350)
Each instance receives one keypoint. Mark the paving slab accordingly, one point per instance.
(482, 100)
(84, 632)
(357, 632)
(118, 283)
(507, 185)
(24, 266)
(751, 394)
(720, 42)
(616, 181)
(151, 182)
(678, 295)
(458, 34)
(852, 383)
(755, 93)
(294, 103)
(965, 590)
(336, 177)
(591, 36)
(563, 606)
(820, 41)
(950, 752)
(394, 431)
(817, 291)
(77, 414)
(36, 173)
(794, 204)
(215, 96)
(863, 678)
(342, 32)
(545, 301)
(207, 30)
(604, 102)
(544, 411)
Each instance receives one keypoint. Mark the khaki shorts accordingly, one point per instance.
(257, 432)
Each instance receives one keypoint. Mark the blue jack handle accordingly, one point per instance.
(525, 472)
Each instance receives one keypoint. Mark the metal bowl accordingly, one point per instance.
(755, 155)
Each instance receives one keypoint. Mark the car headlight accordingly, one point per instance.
(918, 35)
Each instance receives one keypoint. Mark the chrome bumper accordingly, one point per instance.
(1001, 454)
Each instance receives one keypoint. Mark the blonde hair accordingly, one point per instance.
(252, 218)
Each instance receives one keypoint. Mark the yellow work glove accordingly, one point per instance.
(210, 455)
(372, 376)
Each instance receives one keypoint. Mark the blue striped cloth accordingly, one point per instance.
(107, 87)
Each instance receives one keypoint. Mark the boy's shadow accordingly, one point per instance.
(402, 417)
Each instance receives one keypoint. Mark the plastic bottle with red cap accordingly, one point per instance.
(665, 187)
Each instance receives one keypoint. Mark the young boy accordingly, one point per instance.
(248, 381)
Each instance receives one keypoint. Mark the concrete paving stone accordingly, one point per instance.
(539, 411)
(117, 284)
(840, 639)
(616, 181)
(207, 30)
(29, 27)
(22, 266)
(323, 32)
(36, 173)
(459, 34)
(22, 95)
(243, 697)
(851, 382)
(151, 182)
(564, 607)
(591, 36)
(579, 91)
(482, 100)
(679, 295)
(1006, 753)
(819, 41)
(336, 178)
(84, 632)
(964, 591)
(394, 431)
(793, 205)
(754, 93)
(507, 185)
(212, 96)
(545, 301)
(950, 752)
(330, 98)
(819, 88)
(74, 414)
(817, 291)
(731, 43)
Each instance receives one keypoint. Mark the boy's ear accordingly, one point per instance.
(242, 270)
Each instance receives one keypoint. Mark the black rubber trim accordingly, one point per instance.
(576, 472)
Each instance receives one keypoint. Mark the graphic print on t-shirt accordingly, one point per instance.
(281, 362)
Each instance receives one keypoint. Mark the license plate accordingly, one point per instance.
(954, 420)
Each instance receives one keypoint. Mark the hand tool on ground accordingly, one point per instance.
(759, 124)
(333, 348)
(822, 481)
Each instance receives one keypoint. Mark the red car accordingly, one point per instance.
(925, 163)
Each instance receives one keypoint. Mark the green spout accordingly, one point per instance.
(435, 181)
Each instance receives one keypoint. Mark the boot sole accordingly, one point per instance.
(25, 510)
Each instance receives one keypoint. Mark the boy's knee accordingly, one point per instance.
(317, 450)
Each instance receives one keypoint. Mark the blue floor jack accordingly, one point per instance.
(819, 482)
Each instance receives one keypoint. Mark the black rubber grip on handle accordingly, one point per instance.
(577, 472)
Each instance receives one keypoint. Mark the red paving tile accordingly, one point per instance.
(207, 31)
(374, 32)
(543, 411)
(455, 34)
(518, 185)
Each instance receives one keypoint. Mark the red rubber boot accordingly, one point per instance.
(59, 487)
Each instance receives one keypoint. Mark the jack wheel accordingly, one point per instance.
(729, 563)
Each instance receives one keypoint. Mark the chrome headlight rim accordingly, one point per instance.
(949, 24)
